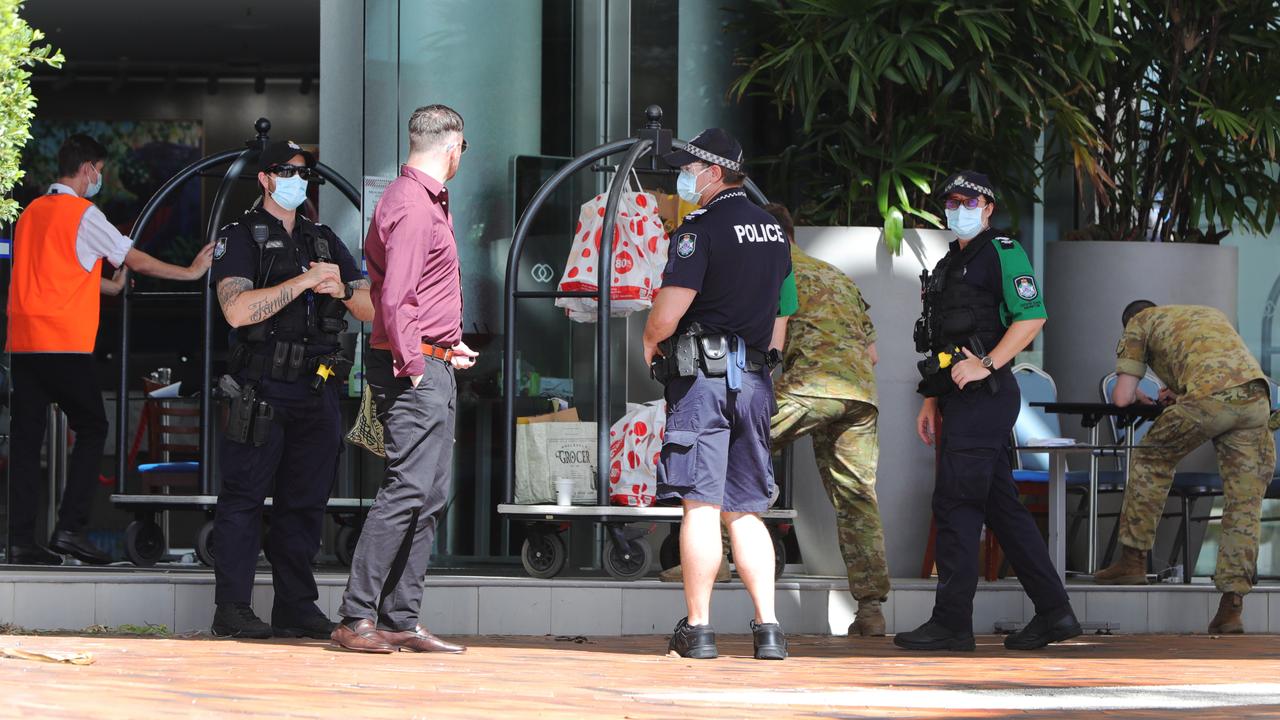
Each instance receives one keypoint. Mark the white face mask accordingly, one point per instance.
(687, 186)
(94, 186)
(966, 223)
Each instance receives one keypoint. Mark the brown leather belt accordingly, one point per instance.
(439, 352)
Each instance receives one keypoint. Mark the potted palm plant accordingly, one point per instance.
(1190, 120)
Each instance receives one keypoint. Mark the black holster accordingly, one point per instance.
(250, 418)
(679, 356)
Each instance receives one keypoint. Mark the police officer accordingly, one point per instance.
(284, 283)
(714, 319)
(1215, 390)
(981, 308)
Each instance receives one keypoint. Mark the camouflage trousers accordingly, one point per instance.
(1236, 421)
(845, 445)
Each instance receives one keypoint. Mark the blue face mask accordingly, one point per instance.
(289, 192)
(94, 186)
(687, 186)
(964, 222)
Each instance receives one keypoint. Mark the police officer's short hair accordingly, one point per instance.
(76, 151)
(430, 125)
(783, 216)
(1134, 308)
(731, 177)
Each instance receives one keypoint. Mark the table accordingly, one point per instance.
(1091, 414)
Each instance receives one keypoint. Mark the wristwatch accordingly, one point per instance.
(350, 291)
(988, 363)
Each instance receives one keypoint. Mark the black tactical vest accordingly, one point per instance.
(965, 311)
(314, 320)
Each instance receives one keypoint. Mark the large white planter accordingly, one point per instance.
(905, 477)
(1087, 285)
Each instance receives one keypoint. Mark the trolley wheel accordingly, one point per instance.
(144, 543)
(543, 554)
(779, 552)
(624, 565)
(345, 543)
(669, 552)
(204, 544)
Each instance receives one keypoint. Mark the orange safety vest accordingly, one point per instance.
(53, 301)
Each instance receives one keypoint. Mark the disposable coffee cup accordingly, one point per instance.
(564, 491)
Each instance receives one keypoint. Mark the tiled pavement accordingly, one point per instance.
(630, 677)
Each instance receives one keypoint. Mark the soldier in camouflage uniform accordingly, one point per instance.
(828, 391)
(1215, 391)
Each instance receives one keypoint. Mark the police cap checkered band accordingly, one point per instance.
(712, 145)
(969, 184)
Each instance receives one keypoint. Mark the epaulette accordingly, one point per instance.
(1006, 243)
(691, 217)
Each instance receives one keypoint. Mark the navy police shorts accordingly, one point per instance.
(716, 447)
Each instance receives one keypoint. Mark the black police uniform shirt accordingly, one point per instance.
(1000, 266)
(735, 256)
(235, 254)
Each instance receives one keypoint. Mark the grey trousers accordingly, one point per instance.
(390, 561)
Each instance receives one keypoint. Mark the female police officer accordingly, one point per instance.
(982, 308)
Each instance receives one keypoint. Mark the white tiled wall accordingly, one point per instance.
(517, 606)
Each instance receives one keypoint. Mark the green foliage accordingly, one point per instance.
(892, 95)
(1191, 120)
(19, 50)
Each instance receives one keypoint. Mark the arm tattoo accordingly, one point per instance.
(264, 309)
(361, 284)
(229, 291)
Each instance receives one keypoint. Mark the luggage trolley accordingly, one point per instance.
(626, 553)
(145, 541)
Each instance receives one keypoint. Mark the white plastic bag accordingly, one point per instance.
(639, 257)
(635, 447)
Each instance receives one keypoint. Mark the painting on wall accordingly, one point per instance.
(141, 156)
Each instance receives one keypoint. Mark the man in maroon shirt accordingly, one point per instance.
(416, 346)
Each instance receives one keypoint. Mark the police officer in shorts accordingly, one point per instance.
(982, 307)
(709, 332)
(285, 284)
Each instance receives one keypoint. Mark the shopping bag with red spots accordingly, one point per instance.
(635, 445)
(639, 257)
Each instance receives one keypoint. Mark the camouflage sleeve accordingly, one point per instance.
(788, 298)
(1131, 352)
(1022, 299)
(864, 307)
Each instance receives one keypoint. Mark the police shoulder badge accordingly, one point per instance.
(220, 247)
(686, 243)
(1006, 243)
(1025, 286)
(694, 215)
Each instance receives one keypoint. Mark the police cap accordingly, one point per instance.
(280, 152)
(714, 146)
(969, 183)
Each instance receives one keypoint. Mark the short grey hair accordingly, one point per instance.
(430, 125)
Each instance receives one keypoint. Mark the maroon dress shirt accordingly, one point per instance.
(413, 268)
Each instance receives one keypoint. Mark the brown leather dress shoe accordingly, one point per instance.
(361, 637)
(419, 639)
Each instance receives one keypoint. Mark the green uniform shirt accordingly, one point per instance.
(1193, 349)
(1022, 300)
(826, 352)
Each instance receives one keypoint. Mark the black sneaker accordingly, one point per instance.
(770, 642)
(312, 625)
(933, 636)
(237, 620)
(1043, 630)
(697, 642)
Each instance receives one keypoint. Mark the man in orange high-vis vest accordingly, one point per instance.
(59, 243)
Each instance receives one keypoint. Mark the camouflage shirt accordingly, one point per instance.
(826, 352)
(1193, 349)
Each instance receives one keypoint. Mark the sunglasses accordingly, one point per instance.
(464, 146)
(288, 171)
(953, 204)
